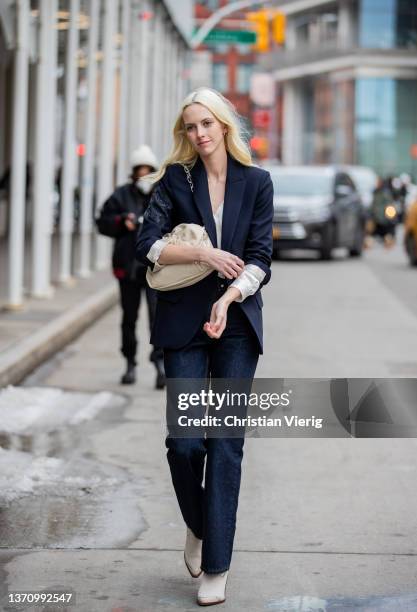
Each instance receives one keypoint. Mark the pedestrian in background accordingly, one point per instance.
(213, 327)
(383, 212)
(120, 218)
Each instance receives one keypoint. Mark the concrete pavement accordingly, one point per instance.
(35, 332)
(324, 524)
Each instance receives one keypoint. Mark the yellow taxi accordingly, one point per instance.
(410, 233)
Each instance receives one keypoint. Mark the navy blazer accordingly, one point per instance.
(246, 232)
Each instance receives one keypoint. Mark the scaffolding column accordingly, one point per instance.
(105, 181)
(139, 86)
(169, 98)
(44, 150)
(19, 157)
(157, 89)
(66, 220)
(88, 161)
(122, 163)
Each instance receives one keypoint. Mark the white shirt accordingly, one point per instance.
(247, 283)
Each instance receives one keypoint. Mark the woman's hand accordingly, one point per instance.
(218, 319)
(224, 262)
(218, 316)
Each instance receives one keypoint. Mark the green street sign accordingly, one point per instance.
(231, 36)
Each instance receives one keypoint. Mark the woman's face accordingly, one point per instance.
(203, 130)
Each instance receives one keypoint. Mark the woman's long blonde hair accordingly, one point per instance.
(235, 140)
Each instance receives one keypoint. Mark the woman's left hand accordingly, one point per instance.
(218, 319)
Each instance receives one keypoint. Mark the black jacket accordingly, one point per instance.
(246, 232)
(111, 222)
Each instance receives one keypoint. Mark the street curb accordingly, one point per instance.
(19, 361)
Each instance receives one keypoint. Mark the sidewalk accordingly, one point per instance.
(323, 525)
(43, 326)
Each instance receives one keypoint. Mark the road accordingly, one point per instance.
(322, 524)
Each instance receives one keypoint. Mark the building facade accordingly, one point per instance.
(231, 65)
(82, 84)
(348, 76)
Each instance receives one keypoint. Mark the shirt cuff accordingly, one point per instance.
(249, 281)
(156, 250)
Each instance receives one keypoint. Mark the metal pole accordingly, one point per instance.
(51, 139)
(19, 158)
(184, 68)
(139, 85)
(164, 88)
(69, 146)
(168, 92)
(174, 101)
(87, 169)
(178, 75)
(105, 167)
(123, 104)
(43, 135)
(143, 110)
(156, 84)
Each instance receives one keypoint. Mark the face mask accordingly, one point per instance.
(144, 185)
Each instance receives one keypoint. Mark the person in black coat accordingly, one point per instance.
(211, 330)
(121, 218)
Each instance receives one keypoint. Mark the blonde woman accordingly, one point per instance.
(214, 327)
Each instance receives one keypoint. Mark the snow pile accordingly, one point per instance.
(38, 409)
(22, 474)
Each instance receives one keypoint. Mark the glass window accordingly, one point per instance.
(377, 23)
(387, 24)
(407, 24)
(386, 124)
(243, 75)
(220, 77)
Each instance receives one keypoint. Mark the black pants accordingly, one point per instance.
(130, 298)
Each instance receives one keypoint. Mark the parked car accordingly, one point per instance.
(365, 180)
(410, 233)
(316, 207)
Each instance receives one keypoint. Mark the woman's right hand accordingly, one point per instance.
(224, 262)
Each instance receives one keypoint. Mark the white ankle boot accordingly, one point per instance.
(192, 554)
(212, 589)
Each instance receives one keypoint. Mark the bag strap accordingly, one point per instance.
(188, 174)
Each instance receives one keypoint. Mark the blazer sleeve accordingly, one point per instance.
(258, 248)
(157, 220)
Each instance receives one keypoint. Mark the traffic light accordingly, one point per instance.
(278, 28)
(260, 19)
(259, 144)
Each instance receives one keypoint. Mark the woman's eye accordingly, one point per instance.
(206, 123)
(189, 128)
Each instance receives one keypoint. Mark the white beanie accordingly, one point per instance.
(143, 156)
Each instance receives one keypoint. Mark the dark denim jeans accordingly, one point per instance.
(210, 511)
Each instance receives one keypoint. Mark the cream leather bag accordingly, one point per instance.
(177, 276)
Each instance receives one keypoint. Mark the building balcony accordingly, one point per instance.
(304, 61)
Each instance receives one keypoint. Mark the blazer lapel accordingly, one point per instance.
(202, 199)
(233, 199)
